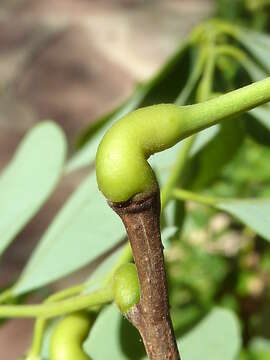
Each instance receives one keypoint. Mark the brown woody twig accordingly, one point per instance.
(151, 315)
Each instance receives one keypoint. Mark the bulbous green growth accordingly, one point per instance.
(68, 337)
(121, 162)
(126, 288)
(122, 169)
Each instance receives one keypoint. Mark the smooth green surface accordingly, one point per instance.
(30, 178)
(121, 166)
(126, 287)
(216, 337)
(121, 162)
(68, 337)
(83, 229)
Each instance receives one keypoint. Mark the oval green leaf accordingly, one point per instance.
(217, 336)
(84, 229)
(30, 178)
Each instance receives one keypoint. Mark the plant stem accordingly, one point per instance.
(151, 316)
(37, 341)
(208, 113)
(59, 308)
(190, 196)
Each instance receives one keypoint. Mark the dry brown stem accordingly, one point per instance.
(151, 315)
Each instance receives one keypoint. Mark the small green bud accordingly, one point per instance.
(126, 287)
(68, 337)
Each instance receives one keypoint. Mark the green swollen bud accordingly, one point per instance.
(126, 287)
(68, 337)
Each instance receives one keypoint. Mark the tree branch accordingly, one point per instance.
(151, 316)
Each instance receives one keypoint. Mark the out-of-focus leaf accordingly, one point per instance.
(240, 179)
(209, 162)
(108, 328)
(95, 280)
(262, 113)
(164, 87)
(45, 351)
(255, 71)
(84, 229)
(259, 126)
(90, 131)
(253, 213)
(216, 337)
(258, 45)
(229, 10)
(193, 272)
(257, 121)
(30, 178)
(260, 349)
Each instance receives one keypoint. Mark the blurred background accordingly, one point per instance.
(72, 61)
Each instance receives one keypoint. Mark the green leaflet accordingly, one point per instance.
(259, 348)
(217, 336)
(253, 213)
(84, 229)
(259, 126)
(258, 44)
(30, 178)
(257, 121)
(209, 162)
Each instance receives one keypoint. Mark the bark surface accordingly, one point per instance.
(151, 316)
